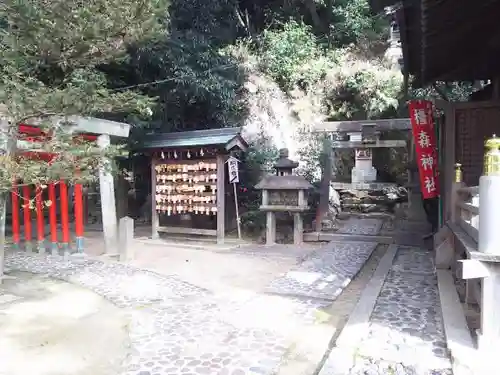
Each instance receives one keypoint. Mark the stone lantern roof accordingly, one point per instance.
(284, 179)
(285, 166)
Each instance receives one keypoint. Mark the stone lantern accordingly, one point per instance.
(284, 192)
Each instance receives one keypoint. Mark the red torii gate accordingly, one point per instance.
(33, 134)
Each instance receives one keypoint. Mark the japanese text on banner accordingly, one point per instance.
(425, 146)
(232, 166)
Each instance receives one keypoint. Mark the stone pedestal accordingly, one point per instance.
(298, 229)
(270, 228)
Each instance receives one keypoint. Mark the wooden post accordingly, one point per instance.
(40, 227)
(63, 195)
(108, 205)
(155, 220)
(27, 218)
(53, 219)
(237, 210)
(79, 218)
(221, 198)
(16, 238)
(326, 177)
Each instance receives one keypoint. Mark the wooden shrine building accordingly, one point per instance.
(190, 187)
(458, 41)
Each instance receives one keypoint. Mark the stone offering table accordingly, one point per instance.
(284, 192)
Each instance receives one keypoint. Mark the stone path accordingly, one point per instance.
(405, 334)
(325, 273)
(368, 227)
(177, 328)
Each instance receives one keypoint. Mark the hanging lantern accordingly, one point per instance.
(175, 155)
(188, 155)
(202, 152)
(162, 155)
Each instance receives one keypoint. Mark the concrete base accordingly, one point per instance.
(458, 337)
(443, 245)
(361, 185)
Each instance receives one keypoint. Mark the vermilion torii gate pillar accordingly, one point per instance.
(352, 127)
(101, 131)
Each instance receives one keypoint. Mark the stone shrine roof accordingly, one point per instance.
(283, 161)
(290, 182)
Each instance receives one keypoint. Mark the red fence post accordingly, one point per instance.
(79, 217)
(40, 227)
(63, 190)
(53, 219)
(16, 238)
(27, 218)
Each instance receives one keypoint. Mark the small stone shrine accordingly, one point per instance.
(364, 175)
(284, 192)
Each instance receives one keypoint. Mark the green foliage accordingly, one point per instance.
(353, 21)
(215, 20)
(257, 162)
(51, 54)
(454, 91)
(285, 53)
(198, 84)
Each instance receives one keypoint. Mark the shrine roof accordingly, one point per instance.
(224, 137)
(290, 182)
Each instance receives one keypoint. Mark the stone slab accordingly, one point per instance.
(337, 237)
(359, 226)
(324, 273)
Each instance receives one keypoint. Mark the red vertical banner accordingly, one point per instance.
(422, 122)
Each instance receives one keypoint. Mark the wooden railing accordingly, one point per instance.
(467, 214)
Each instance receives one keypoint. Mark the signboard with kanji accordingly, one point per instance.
(421, 116)
(232, 167)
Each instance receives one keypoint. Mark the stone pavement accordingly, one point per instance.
(360, 226)
(326, 272)
(405, 335)
(178, 328)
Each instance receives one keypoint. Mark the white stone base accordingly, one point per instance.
(359, 175)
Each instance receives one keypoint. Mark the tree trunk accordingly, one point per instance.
(3, 208)
(6, 144)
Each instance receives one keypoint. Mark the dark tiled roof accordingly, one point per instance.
(195, 138)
